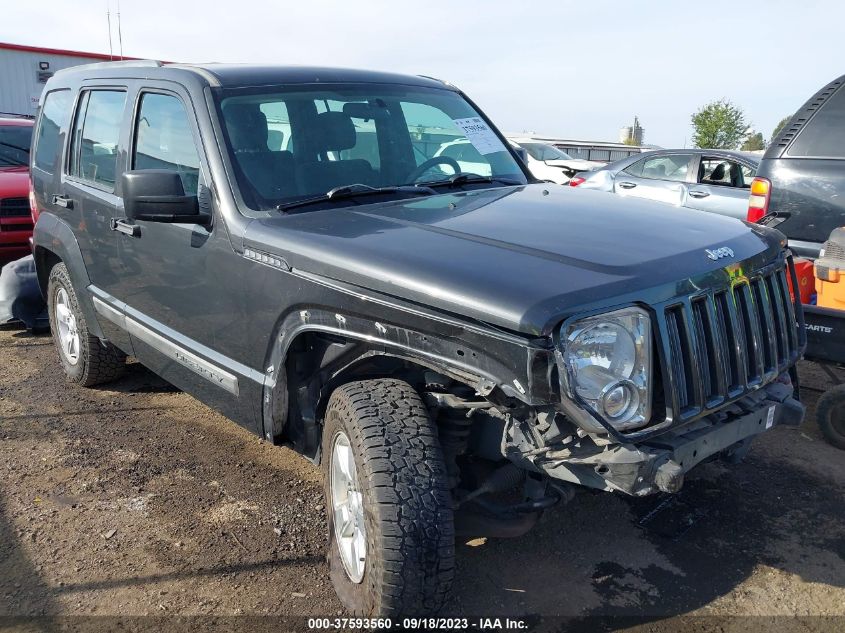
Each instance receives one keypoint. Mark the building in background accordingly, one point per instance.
(597, 151)
(25, 69)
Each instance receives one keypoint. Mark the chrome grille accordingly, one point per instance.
(721, 344)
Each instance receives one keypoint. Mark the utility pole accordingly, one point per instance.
(119, 32)
(108, 20)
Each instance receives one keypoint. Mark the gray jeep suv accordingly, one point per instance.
(458, 351)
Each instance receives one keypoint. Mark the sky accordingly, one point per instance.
(578, 70)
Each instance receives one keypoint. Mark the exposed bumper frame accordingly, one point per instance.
(660, 464)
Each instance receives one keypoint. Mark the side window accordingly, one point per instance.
(748, 174)
(724, 173)
(715, 171)
(95, 137)
(673, 167)
(163, 139)
(824, 135)
(54, 116)
(636, 169)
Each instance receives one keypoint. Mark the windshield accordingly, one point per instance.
(541, 151)
(14, 145)
(290, 144)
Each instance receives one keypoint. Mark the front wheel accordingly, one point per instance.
(391, 528)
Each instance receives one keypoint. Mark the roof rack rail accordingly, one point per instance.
(125, 63)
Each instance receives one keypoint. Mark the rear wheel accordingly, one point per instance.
(830, 414)
(85, 359)
(391, 529)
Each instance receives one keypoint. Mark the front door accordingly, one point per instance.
(183, 300)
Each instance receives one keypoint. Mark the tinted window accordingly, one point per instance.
(673, 167)
(163, 139)
(824, 135)
(94, 149)
(14, 145)
(54, 116)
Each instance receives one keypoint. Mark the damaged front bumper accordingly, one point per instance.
(660, 463)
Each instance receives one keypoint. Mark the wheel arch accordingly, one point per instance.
(54, 242)
(315, 351)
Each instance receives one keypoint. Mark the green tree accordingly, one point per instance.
(718, 125)
(753, 143)
(779, 126)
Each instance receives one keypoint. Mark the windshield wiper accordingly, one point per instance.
(357, 190)
(464, 178)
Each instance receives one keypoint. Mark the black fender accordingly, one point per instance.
(54, 239)
(518, 369)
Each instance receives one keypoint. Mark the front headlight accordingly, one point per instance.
(607, 361)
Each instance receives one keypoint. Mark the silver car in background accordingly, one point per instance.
(708, 180)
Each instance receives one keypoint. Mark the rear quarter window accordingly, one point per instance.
(54, 117)
(823, 136)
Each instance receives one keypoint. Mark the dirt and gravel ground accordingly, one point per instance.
(135, 499)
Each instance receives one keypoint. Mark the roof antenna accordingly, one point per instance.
(108, 19)
(119, 33)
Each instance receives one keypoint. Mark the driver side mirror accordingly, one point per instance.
(157, 195)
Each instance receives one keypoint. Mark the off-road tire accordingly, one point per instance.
(830, 414)
(402, 476)
(99, 362)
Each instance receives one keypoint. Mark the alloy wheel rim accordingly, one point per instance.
(68, 335)
(348, 509)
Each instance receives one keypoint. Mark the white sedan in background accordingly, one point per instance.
(547, 162)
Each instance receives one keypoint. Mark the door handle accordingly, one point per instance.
(698, 194)
(122, 226)
(627, 185)
(63, 201)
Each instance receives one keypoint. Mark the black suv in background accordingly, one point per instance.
(458, 350)
(801, 180)
(800, 190)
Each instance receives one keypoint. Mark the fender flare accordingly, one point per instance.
(54, 235)
(443, 354)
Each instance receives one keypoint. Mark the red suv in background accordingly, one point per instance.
(15, 219)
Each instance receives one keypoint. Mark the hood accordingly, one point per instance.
(520, 258)
(14, 182)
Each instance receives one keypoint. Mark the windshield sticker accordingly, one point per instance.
(480, 135)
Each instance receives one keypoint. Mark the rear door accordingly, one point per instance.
(662, 177)
(87, 198)
(722, 186)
